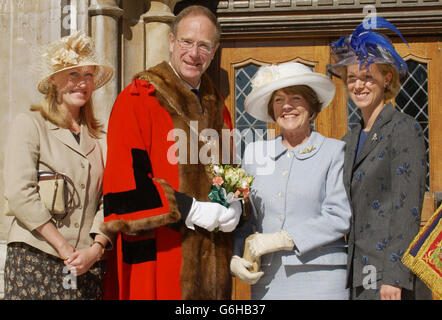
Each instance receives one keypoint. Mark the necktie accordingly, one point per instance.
(195, 91)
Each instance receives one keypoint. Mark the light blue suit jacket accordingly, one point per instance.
(301, 191)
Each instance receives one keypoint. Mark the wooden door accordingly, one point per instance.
(240, 60)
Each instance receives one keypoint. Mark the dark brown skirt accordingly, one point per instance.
(31, 274)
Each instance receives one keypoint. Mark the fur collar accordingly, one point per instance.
(177, 98)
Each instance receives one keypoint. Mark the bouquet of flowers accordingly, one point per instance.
(229, 184)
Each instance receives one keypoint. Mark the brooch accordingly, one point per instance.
(375, 137)
(307, 150)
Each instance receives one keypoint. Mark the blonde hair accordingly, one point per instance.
(50, 111)
(394, 86)
(306, 92)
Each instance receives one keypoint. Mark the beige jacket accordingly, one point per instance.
(32, 138)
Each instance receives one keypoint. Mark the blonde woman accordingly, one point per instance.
(384, 168)
(58, 256)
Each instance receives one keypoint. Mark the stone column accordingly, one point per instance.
(104, 29)
(132, 61)
(157, 26)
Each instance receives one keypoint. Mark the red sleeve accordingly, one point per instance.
(227, 118)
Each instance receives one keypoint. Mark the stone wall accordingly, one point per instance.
(24, 26)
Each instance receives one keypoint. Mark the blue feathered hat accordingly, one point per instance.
(364, 46)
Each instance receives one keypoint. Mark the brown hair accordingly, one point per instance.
(197, 11)
(306, 92)
(49, 110)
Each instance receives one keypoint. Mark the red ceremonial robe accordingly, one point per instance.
(144, 264)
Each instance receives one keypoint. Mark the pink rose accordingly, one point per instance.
(246, 192)
(217, 181)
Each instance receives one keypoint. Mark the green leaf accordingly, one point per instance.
(217, 195)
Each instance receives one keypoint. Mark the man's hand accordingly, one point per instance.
(205, 215)
(229, 219)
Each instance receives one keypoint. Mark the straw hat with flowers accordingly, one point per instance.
(75, 50)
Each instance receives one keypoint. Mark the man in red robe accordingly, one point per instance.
(166, 243)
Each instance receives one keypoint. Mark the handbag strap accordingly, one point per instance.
(49, 167)
(71, 193)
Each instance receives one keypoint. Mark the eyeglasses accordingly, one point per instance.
(202, 47)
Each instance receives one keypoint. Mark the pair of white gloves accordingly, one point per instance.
(260, 244)
(210, 215)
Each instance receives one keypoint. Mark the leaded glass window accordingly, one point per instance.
(250, 128)
(413, 100)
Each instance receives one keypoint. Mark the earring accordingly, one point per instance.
(386, 85)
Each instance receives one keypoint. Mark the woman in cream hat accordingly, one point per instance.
(58, 255)
(300, 210)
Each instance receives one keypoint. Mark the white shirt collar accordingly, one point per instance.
(185, 83)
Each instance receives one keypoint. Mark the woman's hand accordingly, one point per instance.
(390, 292)
(81, 260)
(239, 268)
(56, 239)
(65, 250)
(264, 243)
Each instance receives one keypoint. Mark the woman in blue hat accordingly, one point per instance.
(385, 165)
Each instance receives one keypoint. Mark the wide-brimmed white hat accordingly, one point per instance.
(75, 50)
(270, 78)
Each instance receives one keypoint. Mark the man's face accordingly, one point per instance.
(193, 48)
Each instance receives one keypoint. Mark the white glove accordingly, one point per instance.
(204, 214)
(238, 267)
(264, 243)
(229, 219)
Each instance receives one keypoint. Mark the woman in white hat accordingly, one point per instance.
(385, 166)
(53, 253)
(300, 209)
